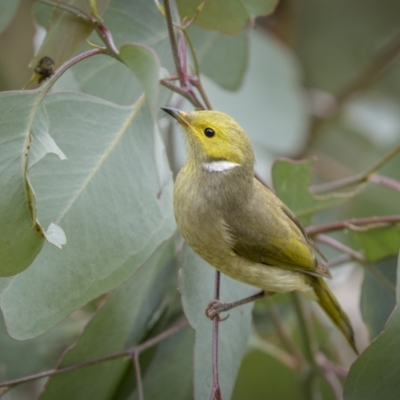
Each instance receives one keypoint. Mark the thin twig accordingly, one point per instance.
(339, 246)
(216, 391)
(172, 41)
(124, 353)
(351, 223)
(138, 374)
(385, 181)
(366, 176)
(183, 92)
(342, 259)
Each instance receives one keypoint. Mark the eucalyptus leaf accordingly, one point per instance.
(119, 324)
(227, 16)
(291, 182)
(197, 288)
(66, 32)
(223, 58)
(375, 374)
(377, 243)
(377, 299)
(21, 237)
(171, 368)
(105, 196)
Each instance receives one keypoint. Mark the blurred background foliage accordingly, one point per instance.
(304, 78)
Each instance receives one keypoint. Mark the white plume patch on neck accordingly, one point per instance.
(219, 166)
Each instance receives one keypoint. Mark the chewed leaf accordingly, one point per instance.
(21, 238)
(55, 235)
(42, 143)
(291, 182)
(104, 197)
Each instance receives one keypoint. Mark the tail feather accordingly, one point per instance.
(332, 308)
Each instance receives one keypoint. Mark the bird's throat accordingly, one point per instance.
(219, 166)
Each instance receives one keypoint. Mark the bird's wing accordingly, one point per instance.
(267, 232)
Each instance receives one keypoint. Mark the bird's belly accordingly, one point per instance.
(265, 277)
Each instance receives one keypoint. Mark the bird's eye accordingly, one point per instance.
(209, 132)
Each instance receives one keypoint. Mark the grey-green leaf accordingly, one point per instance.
(21, 237)
(197, 288)
(105, 198)
(375, 374)
(223, 58)
(118, 325)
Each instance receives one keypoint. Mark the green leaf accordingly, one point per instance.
(118, 325)
(171, 369)
(21, 237)
(261, 376)
(66, 32)
(227, 16)
(142, 61)
(197, 288)
(291, 181)
(223, 58)
(377, 300)
(375, 374)
(7, 11)
(105, 198)
(377, 243)
(141, 25)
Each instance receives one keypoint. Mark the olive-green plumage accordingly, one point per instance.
(238, 225)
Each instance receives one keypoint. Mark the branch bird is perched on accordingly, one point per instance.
(238, 225)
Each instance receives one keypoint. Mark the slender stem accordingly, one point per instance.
(124, 353)
(199, 86)
(327, 365)
(183, 92)
(68, 64)
(344, 258)
(385, 181)
(362, 177)
(216, 391)
(172, 40)
(351, 223)
(339, 246)
(138, 374)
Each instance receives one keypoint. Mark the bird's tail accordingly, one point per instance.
(332, 308)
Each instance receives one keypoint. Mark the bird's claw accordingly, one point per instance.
(214, 308)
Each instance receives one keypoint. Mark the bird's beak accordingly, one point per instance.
(180, 116)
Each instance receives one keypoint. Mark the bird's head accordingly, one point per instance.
(214, 140)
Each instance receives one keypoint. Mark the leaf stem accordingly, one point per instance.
(362, 177)
(352, 223)
(124, 353)
(216, 391)
(340, 246)
(172, 40)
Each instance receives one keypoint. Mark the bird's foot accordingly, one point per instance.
(215, 307)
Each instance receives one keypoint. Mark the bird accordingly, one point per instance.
(237, 224)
